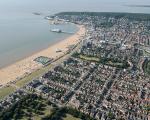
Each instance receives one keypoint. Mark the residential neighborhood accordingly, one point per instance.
(108, 77)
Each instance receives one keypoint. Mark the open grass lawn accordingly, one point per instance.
(33, 75)
(94, 59)
(6, 91)
(146, 67)
(70, 117)
(28, 78)
(114, 64)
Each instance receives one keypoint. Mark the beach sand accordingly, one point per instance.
(26, 66)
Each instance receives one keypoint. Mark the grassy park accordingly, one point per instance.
(5, 91)
(33, 75)
(35, 107)
(94, 59)
(146, 66)
(70, 117)
(106, 61)
(30, 106)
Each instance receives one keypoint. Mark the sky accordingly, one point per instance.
(71, 5)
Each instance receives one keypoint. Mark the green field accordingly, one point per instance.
(70, 117)
(85, 57)
(5, 91)
(146, 67)
(94, 59)
(114, 63)
(33, 75)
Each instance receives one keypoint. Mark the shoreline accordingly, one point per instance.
(41, 49)
(26, 66)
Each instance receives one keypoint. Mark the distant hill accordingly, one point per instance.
(132, 16)
(138, 6)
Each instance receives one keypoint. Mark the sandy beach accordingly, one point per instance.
(26, 66)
